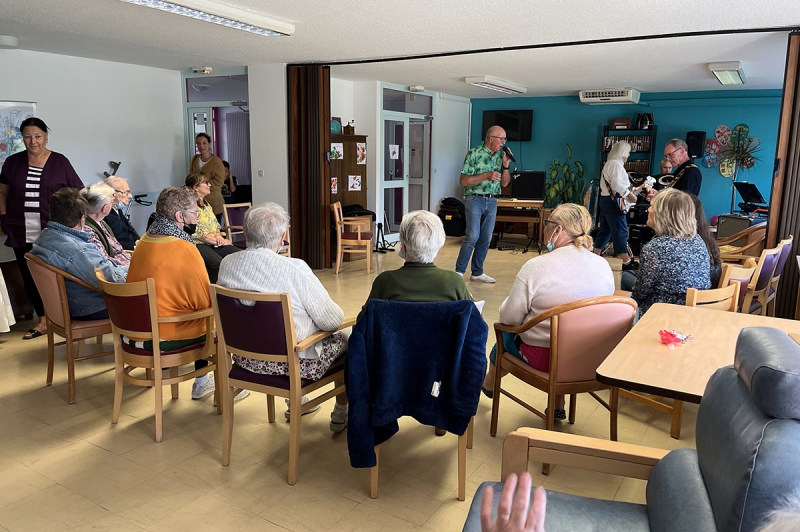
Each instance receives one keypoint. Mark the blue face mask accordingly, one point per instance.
(550, 244)
(401, 254)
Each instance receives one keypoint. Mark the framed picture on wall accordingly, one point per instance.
(11, 116)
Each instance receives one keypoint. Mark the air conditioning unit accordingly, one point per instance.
(602, 96)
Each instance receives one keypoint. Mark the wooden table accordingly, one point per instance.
(641, 362)
(523, 214)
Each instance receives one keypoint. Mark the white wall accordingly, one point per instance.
(269, 149)
(342, 100)
(451, 123)
(101, 111)
(367, 112)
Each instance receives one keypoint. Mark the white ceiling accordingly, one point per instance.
(345, 30)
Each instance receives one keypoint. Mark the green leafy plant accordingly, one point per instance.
(564, 182)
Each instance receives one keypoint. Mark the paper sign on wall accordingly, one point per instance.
(354, 183)
(334, 185)
(361, 153)
(394, 151)
(337, 150)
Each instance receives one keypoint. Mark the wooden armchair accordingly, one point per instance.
(743, 275)
(746, 243)
(756, 297)
(786, 250)
(51, 283)
(582, 334)
(233, 216)
(358, 239)
(271, 315)
(134, 313)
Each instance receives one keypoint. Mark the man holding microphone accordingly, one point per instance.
(485, 169)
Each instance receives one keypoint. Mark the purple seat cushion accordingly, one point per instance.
(279, 381)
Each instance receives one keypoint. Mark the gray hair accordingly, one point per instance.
(784, 518)
(264, 225)
(492, 131)
(422, 233)
(619, 150)
(678, 143)
(174, 199)
(113, 180)
(97, 195)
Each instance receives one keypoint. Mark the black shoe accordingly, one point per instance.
(630, 266)
(558, 415)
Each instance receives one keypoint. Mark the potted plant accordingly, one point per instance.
(738, 154)
(564, 182)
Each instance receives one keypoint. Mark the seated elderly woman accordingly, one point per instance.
(568, 273)
(99, 197)
(677, 258)
(66, 245)
(419, 279)
(259, 268)
(213, 247)
(167, 254)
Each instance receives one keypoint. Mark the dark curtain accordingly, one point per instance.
(309, 114)
(785, 200)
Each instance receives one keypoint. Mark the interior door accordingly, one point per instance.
(419, 162)
(199, 120)
(395, 180)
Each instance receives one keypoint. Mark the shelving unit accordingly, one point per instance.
(643, 147)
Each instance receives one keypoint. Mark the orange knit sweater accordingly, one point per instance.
(181, 282)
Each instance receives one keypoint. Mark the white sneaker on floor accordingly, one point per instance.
(304, 401)
(482, 278)
(339, 418)
(201, 390)
(461, 273)
(239, 396)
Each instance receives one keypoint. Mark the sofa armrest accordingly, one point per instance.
(592, 454)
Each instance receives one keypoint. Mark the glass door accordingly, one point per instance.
(395, 175)
(198, 120)
(419, 150)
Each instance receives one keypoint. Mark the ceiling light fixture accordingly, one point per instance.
(228, 16)
(9, 42)
(495, 84)
(728, 73)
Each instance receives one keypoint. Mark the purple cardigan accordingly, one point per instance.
(57, 173)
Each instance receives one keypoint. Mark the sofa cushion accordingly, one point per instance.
(749, 460)
(768, 362)
(568, 513)
(676, 495)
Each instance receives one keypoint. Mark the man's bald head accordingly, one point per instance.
(122, 192)
(495, 138)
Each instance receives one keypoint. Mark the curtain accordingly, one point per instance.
(785, 200)
(237, 128)
(309, 114)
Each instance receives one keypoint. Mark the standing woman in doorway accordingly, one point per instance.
(27, 181)
(213, 168)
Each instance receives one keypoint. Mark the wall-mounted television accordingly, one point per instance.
(518, 123)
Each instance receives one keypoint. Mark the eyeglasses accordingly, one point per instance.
(123, 192)
(195, 212)
(670, 154)
(501, 138)
(551, 222)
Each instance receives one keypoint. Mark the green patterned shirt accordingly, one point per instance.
(479, 160)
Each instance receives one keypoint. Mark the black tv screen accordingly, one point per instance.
(518, 124)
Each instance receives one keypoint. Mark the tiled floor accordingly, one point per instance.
(65, 467)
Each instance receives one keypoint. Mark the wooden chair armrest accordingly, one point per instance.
(321, 335)
(356, 221)
(592, 454)
(736, 259)
(187, 317)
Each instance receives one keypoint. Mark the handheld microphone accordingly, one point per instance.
(510, 155)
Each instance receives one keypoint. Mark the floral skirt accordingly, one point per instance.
(332, 348)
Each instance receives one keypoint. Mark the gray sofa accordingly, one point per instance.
(747, 458)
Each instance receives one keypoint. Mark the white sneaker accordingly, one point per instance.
(304, 401)
(239, 396)
(201, 390)
(461, 273)
(482, 278)
(339, 418)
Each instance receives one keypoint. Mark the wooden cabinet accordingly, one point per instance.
(643, 148)
(352, 161)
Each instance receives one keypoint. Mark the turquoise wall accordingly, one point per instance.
(563, 119)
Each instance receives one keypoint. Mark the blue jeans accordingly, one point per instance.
(480, 213)
(626, 281)
(613, 225)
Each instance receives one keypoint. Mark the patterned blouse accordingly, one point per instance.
(479, 160)
(207, 224)
(670, 265)
(120, 257)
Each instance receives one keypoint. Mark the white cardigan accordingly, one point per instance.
(564, 275)
(263, 270)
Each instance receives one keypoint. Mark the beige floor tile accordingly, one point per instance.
(632, 490)
(148, 504)
(258, 487)
(31, 446)
(408, 498)
(174, 449)
(128, 434)
(19, 482)
(587, 483)
(309, 509)
(44, 510)
(363, 517)
(107, 479)
(70, 460)
(204, 471)
(209, 513)
(99, 519)
(450, 515)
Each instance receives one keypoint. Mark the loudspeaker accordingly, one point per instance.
(730, 224)
(696, 140)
